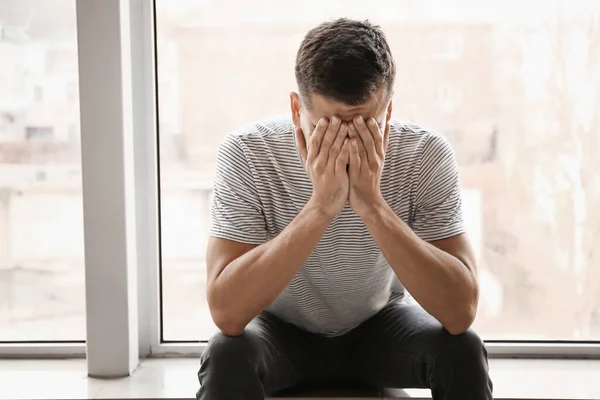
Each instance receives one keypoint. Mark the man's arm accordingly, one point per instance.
(243, 280)
(441, 275)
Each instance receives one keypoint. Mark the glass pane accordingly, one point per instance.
(41, 226)
(513, 87)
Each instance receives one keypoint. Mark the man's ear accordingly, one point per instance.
(295, 106)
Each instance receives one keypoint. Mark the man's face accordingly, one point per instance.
(377, 107)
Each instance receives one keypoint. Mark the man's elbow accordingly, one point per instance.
(463, 320)
(233, 330)
(457, 328)
(224, 317)
(228, 321)
(228, 324)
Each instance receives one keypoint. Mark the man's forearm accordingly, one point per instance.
(443, 285)
(252, 282)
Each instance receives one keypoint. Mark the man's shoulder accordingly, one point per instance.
(267, 129)
(408, 137)
(260, 142)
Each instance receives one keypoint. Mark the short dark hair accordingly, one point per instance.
(345, 60)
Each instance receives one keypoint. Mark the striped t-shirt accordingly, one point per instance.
(261, 186)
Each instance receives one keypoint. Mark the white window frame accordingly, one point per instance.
(121, 201)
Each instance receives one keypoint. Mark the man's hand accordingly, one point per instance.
(367, 155)
(325, 162)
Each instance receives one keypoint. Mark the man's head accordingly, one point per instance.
(344, 68)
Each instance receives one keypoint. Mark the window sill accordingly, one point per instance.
(175, 378)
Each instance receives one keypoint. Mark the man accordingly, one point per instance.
(317, 220)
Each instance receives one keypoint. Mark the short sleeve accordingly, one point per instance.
(236, 210)
(438, 204)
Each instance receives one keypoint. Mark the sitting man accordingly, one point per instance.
(318, 224)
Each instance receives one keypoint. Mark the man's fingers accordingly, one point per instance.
(354, 157)
(339, 140)
(352, 131)
(342, 159)
(336, 147)
(330, 135)
(378, 137)
(301, 142)
(362, 151)
(366, 137)
(317, 137)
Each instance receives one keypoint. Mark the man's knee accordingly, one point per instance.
(465, 352)
(468, 343)
(461, 362)
(223, 349)
(224, 357)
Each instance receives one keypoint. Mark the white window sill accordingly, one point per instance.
(175, 378)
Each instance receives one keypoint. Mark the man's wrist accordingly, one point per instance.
(375, 211)
(318, 213)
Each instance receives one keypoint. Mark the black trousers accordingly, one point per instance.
(400, 347)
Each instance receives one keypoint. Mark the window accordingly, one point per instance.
(448, 46)
(531, 199)
(72, 91)
(6, 121)
(448, 96)
(41, 227)
(38, 93)
(39, 133)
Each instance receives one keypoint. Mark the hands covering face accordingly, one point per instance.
(333, 145)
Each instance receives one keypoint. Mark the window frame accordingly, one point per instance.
(133, 80)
